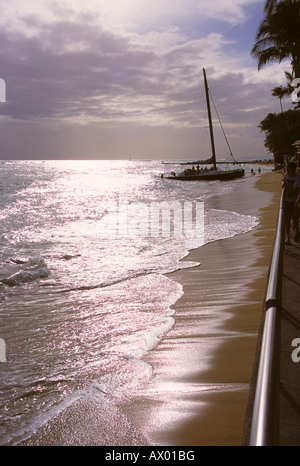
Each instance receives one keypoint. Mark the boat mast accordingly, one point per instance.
(210, 121)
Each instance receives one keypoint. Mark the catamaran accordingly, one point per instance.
(212, 173)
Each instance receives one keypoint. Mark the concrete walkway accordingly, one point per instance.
(289, 402)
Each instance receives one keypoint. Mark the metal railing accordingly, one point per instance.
(265, 416)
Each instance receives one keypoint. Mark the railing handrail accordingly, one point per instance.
(264, 429)
(273, 293)
(265, 416)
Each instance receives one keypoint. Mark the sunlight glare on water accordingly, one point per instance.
(81, 309)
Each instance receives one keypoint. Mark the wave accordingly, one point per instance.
(34, 268)
(91, 412)
(105, 284)
(222, 224)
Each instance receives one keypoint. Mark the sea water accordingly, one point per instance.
(83, 293)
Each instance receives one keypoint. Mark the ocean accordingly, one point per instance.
(84, 249)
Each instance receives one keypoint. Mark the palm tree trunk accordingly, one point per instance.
(281, 105)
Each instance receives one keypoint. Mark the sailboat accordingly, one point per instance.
(214, 173)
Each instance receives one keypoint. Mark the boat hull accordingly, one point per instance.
(222, 175)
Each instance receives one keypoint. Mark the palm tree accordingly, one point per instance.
(279, 92)
(278, 36)
(270, 5)
(282, 91)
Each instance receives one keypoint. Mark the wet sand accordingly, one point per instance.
(203, 366)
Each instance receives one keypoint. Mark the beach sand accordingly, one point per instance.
(202, 367)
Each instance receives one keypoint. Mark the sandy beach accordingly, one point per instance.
(202, 367)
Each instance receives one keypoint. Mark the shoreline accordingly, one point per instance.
(202, 368)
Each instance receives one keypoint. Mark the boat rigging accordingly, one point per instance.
(214, 173)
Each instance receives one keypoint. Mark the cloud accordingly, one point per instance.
(88, 68)
(68, 72)
(77, 70)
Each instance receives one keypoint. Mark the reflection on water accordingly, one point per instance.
(85, 309)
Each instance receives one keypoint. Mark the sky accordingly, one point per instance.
(115, 79)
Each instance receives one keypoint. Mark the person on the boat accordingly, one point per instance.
(291, 182)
